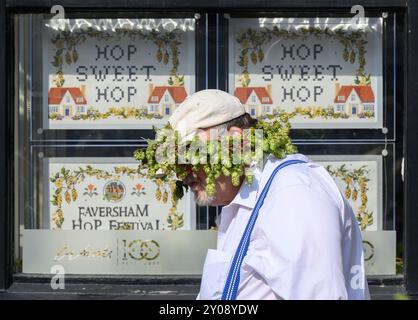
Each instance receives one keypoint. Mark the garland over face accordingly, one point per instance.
(167, 160)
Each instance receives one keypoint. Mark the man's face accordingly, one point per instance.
(225, 192)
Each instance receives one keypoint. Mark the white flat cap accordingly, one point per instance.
(204, 109)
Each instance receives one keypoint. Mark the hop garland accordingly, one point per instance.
(163, 158)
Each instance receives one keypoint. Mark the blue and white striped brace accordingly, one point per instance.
(232, 281)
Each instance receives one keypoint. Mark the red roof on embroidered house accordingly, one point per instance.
(55, 95)
(365, 93)
(243, 93)
(178, 93)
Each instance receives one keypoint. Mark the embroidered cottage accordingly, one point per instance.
(353, 99)
(256, 100)
(67, 101)
(165, 99)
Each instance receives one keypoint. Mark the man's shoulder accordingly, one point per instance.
(291, 175)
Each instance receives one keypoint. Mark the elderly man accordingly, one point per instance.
(290, 234)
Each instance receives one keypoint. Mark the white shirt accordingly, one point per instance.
(306, 243)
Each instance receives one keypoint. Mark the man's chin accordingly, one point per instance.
(204, 200)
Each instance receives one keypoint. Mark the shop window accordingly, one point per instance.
(87, 206)
(79, 200)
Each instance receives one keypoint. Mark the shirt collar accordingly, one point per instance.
(247, 194)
